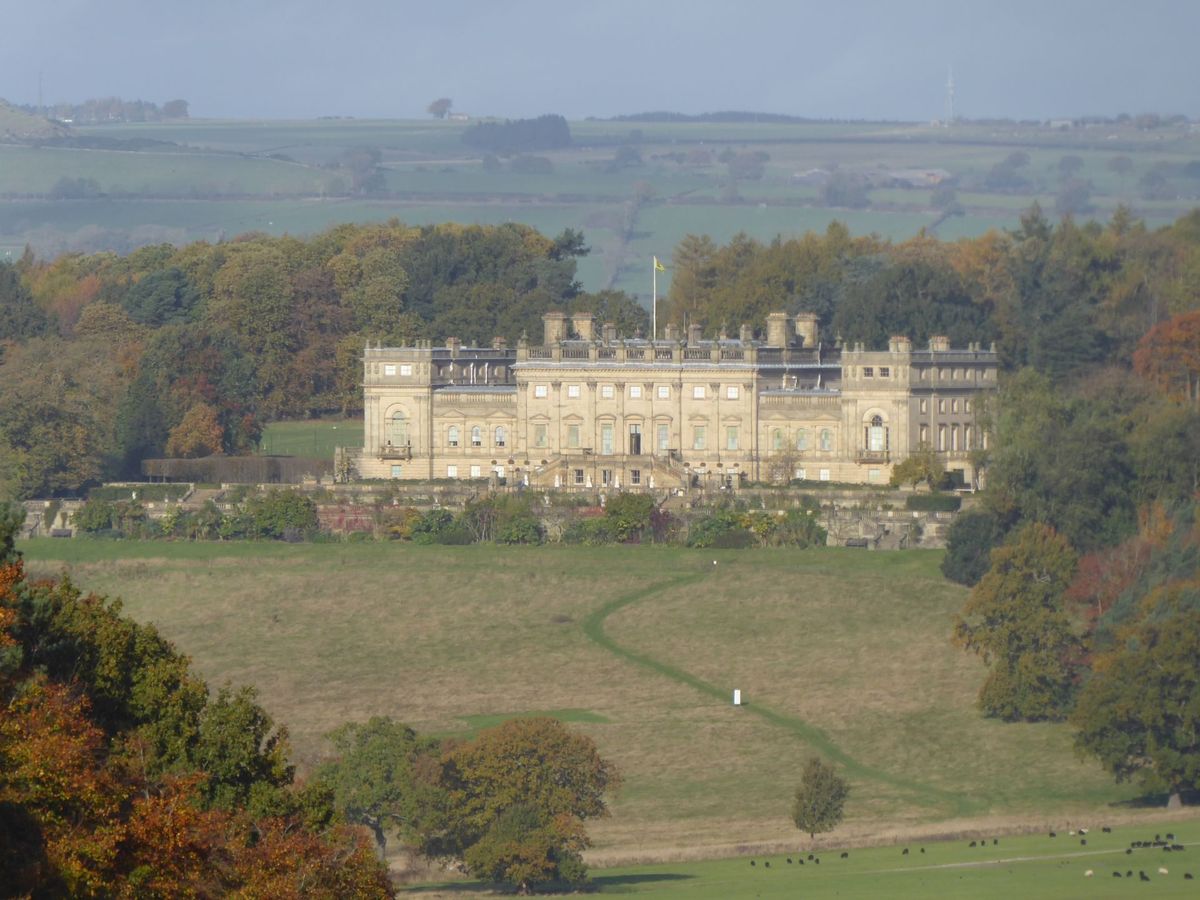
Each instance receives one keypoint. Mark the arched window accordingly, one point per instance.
(501, 436)
(777, 439)
(802, 439)
(476, 436)
(452, 436)
(826, 439)
(398, 430)
(877, 435)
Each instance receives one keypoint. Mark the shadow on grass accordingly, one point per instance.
(1156, 801)
(602, 883)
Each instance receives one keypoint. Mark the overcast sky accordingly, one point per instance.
(829, 59)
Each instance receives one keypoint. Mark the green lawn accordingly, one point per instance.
(837, 652)
(312, 437)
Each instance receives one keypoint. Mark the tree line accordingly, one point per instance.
(106, 360)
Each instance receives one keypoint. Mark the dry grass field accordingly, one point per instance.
(841, 652)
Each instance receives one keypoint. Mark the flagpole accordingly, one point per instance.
(654, 297)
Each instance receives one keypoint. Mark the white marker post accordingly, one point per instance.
(737, 697)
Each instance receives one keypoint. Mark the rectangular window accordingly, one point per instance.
(475, 471)
(635, 392)
(573, 436)
(572, 391)
(800, 474)
(664, 392)
(606, 477)
(868, 372)
(731, 392)
(924, 406)
(924, 435)
(698, 437)
(406, 370)
(664, 437)
(698, 392)
(872, 475)
(941, 373)
(396, 470)
(579, 476)
(541, 391)
(606, 439)
(635, 476)
(731, 437)
(539, 435)
(389, 370)
(941, 406)
(941, 437)
(885, 372)
(967, 405)
(954, 405)
(451, 471)
(606, 391)
(823, 474)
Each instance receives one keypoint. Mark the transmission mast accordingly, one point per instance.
(950, 96)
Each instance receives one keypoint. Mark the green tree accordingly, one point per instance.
(440, 107)
(243, 752)
(820, 799)
(969, 543)
(1139, 713)
(373, 778)
(924, 466)
(1015, 619)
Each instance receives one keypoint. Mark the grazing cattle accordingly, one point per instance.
(995, 842)
(1127, 850)
(810, 857)
(1170, 835)
(1116, 874)
(1187, 876)
(922, 849)
(1052, 834)
(752, 862)
(1083, 842)
(1177, 847)
(1083, 831)
(789, 860)
(817, 860)
(1106, 830)
(800, 861)
(1142, 876)
(845, 855)
(904, 852)
(1088, 874)
(767, 864)
(1129, 873)
(1162, 871)
(972, 843)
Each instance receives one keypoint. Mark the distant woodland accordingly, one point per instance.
(188, 351)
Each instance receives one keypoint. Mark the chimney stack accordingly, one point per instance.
(583, 323)
(671, 332)
(555, 326)
(610, 333)
(806, 329)
(499, 343)
(899, 343)
(939, 342)
(745, 333)
(778, 330)
(693, 335)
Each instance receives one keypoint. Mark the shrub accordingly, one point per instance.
(278, 513)
(969, 545)
(589, 532)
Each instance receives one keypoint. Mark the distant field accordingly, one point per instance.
(839, 652)
(316, 437)
(228, 177)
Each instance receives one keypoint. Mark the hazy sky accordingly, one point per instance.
(389, 58)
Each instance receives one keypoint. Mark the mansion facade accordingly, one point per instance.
(589, 410)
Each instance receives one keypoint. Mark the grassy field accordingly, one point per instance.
(1028, 866)
(313, 437)
(838, 652)
(215, 179)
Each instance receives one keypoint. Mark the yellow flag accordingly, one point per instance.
(659, 266)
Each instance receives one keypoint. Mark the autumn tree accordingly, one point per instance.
(1139, 713)
(821, 798)
(1169, 355)
(517, 798)
(198, 434)
(1014, 618)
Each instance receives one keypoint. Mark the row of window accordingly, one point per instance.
(956, 374)
(405, 369)
(869, 372)
(636, 392)
(955, 437)
(942, 405)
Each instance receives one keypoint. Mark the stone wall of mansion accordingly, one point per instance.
(587, 409)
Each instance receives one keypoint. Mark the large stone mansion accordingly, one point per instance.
(589, 410)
